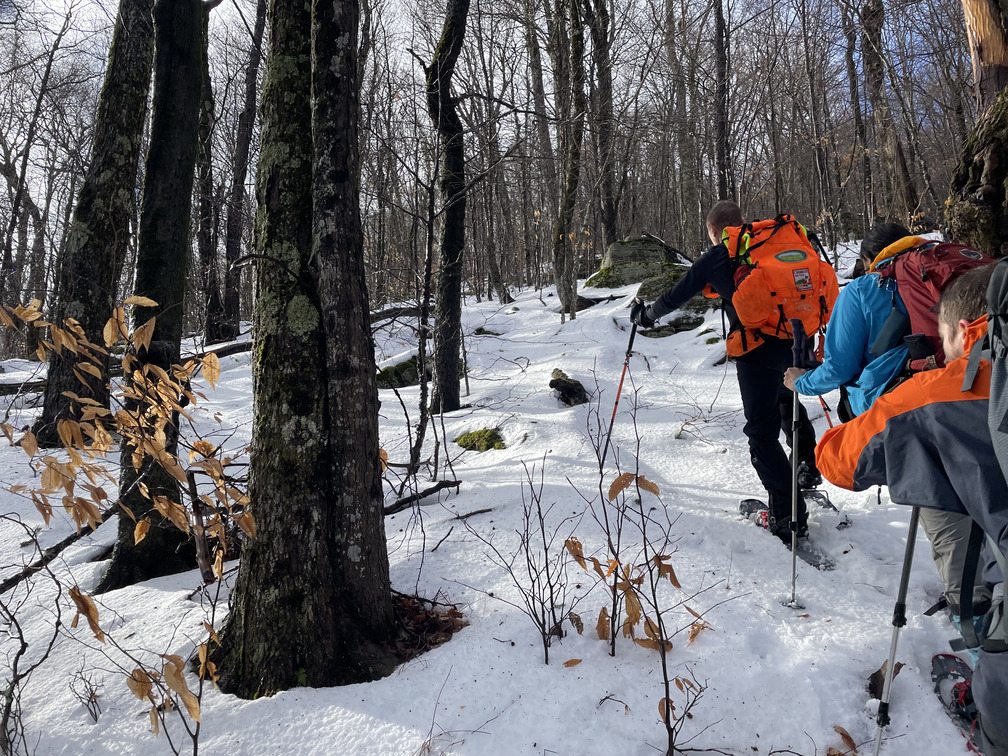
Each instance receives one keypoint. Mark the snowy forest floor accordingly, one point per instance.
(774, 679)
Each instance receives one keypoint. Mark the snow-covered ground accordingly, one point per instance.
(776, 679)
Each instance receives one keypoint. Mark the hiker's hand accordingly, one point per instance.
(638, 314)
(791, 375)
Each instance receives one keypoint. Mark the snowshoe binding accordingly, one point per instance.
(953, 679)
(758, 512)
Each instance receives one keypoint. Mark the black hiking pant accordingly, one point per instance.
(768, 408)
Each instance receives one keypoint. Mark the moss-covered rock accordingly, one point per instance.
(632, 260)
(481, 440)
(401, 374)
(570, 391)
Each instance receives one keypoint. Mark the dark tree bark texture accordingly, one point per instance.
(312, 603)
(448, 305)
(977, 208)
(162, 260)
(98, 237)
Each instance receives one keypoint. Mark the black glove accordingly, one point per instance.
(639, 314)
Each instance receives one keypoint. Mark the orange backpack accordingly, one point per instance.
(779, 276)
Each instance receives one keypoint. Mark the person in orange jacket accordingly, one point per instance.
(928, 440)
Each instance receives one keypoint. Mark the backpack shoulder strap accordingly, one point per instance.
(980, 351)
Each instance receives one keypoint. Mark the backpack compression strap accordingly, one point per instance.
(967, 610)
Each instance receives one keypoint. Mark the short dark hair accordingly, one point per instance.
(880, 236)
(725, 213)
(966, 297)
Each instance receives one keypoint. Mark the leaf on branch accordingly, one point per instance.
(847, 739)
(383, 456)
(573, 546)
(628, 628)
(620, 484)
(213, 633)
(204, 447)
(140, 531)
(634, 610)
(575, 620)
(246, 522)
(42, 504)
(29, 444)
(602, 626)
(175, 679)
(111, 331)
(647, 485)
(5, 318)
(665, 570)
(8, 430)
(154, 720)
(40, 352)
(86, 606)
(651, 628)
(572, 662)
(653, 645)
(140, 683)
(211, 369)
(142, 335)
(665, 709)
(692, 612)
(140, 301)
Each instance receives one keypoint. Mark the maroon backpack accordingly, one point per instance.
(921, 274)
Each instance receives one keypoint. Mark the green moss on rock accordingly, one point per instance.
(481, 440)
(401, 374)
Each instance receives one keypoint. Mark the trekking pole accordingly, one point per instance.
(619, 390)
(898, 621)
(801, 357)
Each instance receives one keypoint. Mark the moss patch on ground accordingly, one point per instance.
(481, 440)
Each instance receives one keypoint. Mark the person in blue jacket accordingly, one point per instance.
(859, 315)
(850, 364)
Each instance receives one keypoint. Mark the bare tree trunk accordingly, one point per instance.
(162, 261)
(901, 196)
(596, 16)
(207, 232)
(448, 306)
(721, 136)
(859, 149)
(99, 235)
(227, 328)
(546, 163)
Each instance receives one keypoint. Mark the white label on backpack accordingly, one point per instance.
(802, 279)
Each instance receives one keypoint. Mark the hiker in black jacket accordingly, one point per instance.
(760, 362)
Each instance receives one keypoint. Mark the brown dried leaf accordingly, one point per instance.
(575, 620)
(111, 331)
(602, 626)
(651, 628)
(42, 504)
(175, 679)
(140, 531)
(154, 720)
(633, 607)
(598, 568)
(647, 485)
(213, 633)
(140, 301)
(86, 606)
(29, 444)
(666, 708)
(8, 430)
(383, 456)
(573, 546)
(696, 628)
(140, 683)
(653, 644)
(246, 522)
(688, 609)
(847, 739)
(620, 484)
(665, 570)
(628, 628)
(5, 318)
(211, 369)
(572, 662)
(143, 334)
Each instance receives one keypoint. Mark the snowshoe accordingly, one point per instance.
(758, 512)
(953, 678)
(814, 496)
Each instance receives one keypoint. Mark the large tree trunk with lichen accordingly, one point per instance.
(312, 603)
(977, 209)
(100, 231)
(162, 260)
(448, 306)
